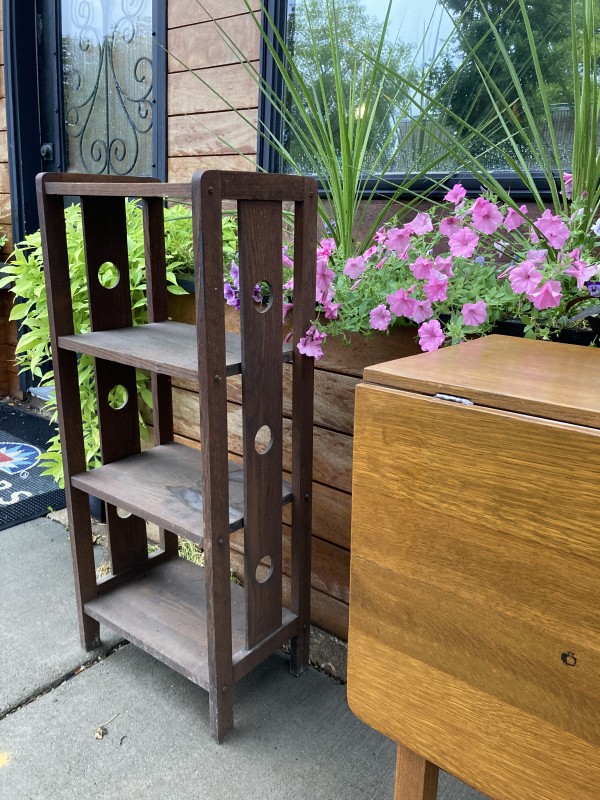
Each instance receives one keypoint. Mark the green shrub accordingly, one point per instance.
(24, 275)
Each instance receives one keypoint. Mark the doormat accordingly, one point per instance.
(24, 492)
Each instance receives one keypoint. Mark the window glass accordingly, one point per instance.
(432, 43)
(108, 85)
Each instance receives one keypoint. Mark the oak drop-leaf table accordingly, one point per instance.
(474, 635)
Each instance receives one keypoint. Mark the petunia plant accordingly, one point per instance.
(456, 270)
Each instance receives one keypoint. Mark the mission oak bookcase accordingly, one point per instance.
(194, 619)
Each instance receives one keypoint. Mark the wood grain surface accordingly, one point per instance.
(206, 44)
(167, 347)
(212, 134)
(416, 778)
(188, 12)
(474, 637)
(547, 379)
(164, 613)
(194, 92)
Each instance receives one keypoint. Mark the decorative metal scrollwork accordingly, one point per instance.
(108, 81)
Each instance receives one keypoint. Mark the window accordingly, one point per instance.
(108, 86)
(431, 43)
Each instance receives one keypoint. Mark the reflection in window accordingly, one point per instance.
(427, 44)
(107, 71)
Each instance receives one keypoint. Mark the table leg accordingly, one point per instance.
(416, 778)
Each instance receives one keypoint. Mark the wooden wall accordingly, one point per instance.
(335, 379)
(201, 129)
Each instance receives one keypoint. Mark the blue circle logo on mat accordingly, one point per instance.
(17, 456)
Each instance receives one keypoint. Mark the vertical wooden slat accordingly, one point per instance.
(305, 245)
(119, 437)
(259, 232)
(162, 395)
(105, 240)
(208, 251)
(416, 778)
(66, 379)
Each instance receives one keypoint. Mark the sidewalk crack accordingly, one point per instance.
(49, 687)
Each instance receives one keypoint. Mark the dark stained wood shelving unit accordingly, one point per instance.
(192, 618)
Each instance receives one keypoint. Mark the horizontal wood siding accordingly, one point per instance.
(212, 95)
(336, 377)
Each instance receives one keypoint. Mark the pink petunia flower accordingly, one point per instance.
(370, 252)
(421, 224)
(537, 256)
(422, 268)
(552, 228)
(355, 267)
(486, 216)
(436, 288)
(399, 241)
(327, 246)
(449, 226)
(474, 313)
(444, 265)
(381, 235)
(525, 277)
(568, 179)
(431, 335)
(456, 194)
(513, 219)
(463, 243)
(310, 345)
(401, 303)
(325, 275)
(547, 296)
(285, 259)
(579, 270)
(286, 307)
(422, 311)
(380, 318)
(331, 310)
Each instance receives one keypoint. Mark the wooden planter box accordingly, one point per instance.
(336, 376)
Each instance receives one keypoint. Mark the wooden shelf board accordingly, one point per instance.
(166, 347)
(163, 612)
(138, 484)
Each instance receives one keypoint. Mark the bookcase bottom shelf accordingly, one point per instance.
(163, 612)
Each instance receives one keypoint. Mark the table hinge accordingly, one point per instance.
(453, 399)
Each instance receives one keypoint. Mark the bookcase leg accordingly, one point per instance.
(221, 713)
(82, 550)
(416, 778)
(299, 651)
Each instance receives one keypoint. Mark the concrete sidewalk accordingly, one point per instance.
(294, 737)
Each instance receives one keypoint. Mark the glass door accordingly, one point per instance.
(108, 85)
